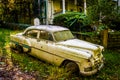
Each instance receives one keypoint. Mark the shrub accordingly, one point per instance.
(75, 21)
(105, 11)
(15, 26)
(4, 39)
(113, 21)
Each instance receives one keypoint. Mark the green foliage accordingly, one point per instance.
(102, 27)
(16, 11)
(112, 64)
(31, 64)
(45, 71)
(73, 20)
(113, 20)
(103, 6)
(110, 71)
(91, 2)
(92, 13)
(15, 26)
(104, 10)
(4, 40)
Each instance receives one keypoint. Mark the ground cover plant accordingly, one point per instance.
(46, 71)
(111, 70)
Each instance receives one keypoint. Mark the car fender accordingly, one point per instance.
(26, 45)
(20, 40)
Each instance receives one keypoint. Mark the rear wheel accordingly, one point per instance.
(19, 48)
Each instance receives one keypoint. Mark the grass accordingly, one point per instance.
(111, 70)
(31, 64)
(45, 71)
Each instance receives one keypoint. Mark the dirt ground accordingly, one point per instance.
(10, 72)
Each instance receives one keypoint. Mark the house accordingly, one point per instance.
(24, 11)
(56, 7)
(48, 9)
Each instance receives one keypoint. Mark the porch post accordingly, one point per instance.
(118, 3)
(85, 6)
(38, 8)
(63, 6)
(75, 1)
(46, 11)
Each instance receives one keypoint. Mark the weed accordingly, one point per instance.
(46, 71)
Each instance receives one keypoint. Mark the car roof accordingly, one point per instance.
(49, 28)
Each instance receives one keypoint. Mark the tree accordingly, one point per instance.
(18, 11)
(99, 9)
(105, 11)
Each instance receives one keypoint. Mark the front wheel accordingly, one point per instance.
(72, 68)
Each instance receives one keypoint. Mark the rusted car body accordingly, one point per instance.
(57, 45)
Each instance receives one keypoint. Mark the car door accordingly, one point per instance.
(31, 41)
(45, 45)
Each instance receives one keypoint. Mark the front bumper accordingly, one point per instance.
(92, 72)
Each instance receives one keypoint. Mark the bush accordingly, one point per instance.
(15, 26)
(75, 21)
(106, 11)
(4, 39)
(113, 21)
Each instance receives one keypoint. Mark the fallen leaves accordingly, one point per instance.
(10, 72)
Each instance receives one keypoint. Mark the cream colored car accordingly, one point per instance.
(58, 46)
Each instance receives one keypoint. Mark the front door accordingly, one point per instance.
(45, 46)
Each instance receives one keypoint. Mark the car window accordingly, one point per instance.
(32, 33)
(63, 35)
(46, 35)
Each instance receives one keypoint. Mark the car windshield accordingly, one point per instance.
(63, 35)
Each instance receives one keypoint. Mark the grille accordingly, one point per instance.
(97, 63)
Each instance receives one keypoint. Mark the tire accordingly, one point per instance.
(19, 48)
(12, 49)
(72, 68)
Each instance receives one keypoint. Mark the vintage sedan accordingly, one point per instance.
(57, 45)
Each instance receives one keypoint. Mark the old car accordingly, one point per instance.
(57, 45)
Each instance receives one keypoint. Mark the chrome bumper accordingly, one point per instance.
(92, 72)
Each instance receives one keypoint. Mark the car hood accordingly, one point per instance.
(85, 47)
